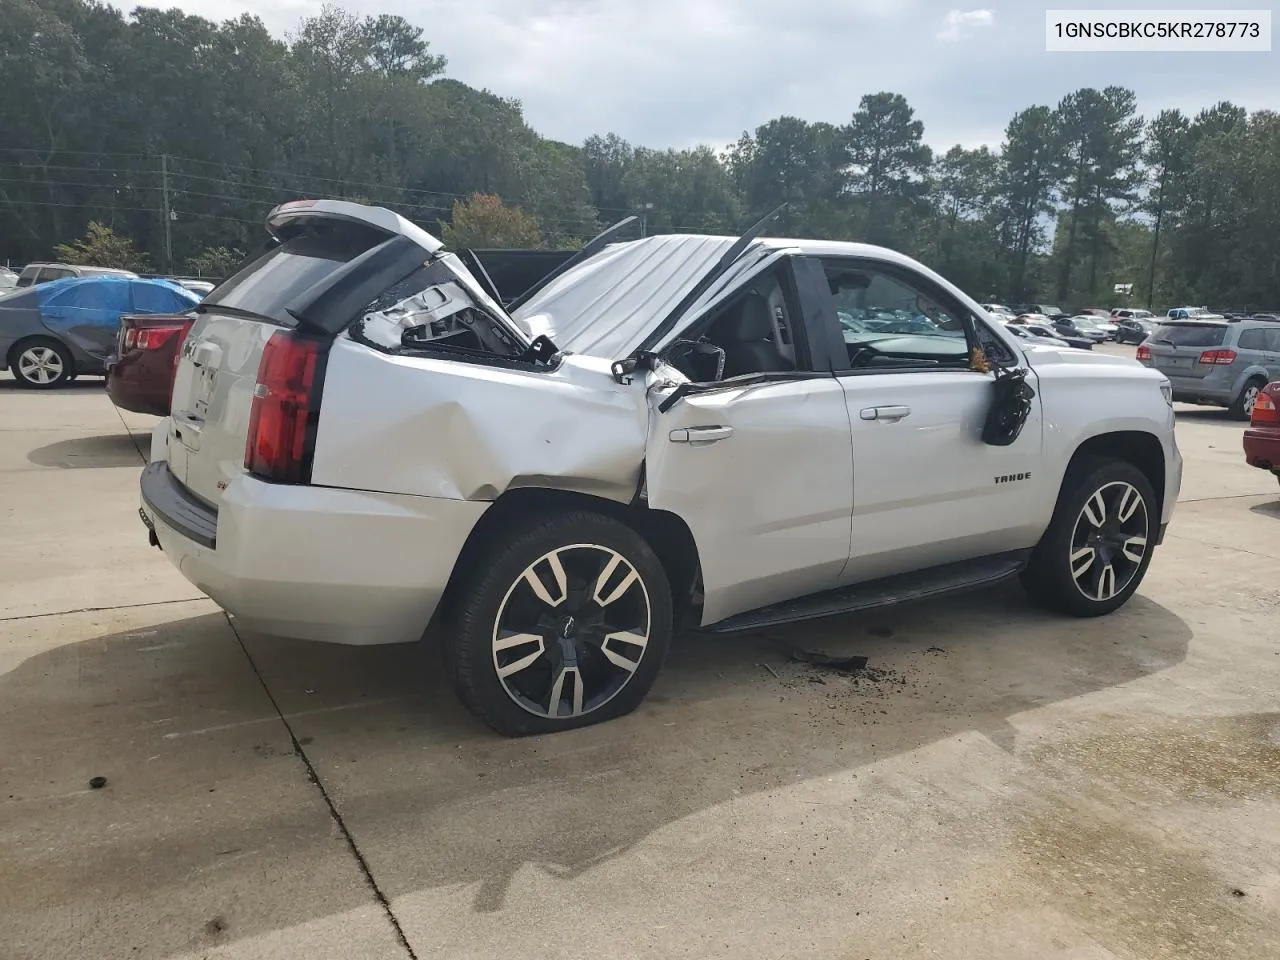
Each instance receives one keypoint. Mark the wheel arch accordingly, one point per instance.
(24, 341)
(1137, 447)
(667, 533)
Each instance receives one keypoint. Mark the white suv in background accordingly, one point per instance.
(673, 431)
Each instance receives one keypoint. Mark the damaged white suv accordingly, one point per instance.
(673, 431)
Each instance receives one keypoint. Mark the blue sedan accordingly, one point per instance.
(53, 332)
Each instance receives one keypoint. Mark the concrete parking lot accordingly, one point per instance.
(1001, 784)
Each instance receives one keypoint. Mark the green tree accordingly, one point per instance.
(215, 262)
(484, 221)
(1166, 160)
(1027, 188)
(888, 164)
(100, 247)
(789, 160)
(1100, 147)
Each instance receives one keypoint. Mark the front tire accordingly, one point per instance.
(565, 624)
(1242, 408)
(1100, 541)
(42, 364)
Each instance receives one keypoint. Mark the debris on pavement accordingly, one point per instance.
(846, 664)
(97, 783)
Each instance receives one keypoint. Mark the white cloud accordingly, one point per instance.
(675, 72)
(958, 23)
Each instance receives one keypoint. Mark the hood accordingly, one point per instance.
(1042, 355)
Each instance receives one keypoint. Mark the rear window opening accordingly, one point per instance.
(1190, 334)
(282, 273)
(429, 312)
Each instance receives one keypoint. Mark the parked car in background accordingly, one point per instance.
(1134, 329)
(1045, 328)
(1215, 361)
(1089, 322)
(140, 370)
(998, 310)
(1068, 327)
(1025, 332)
(1186, 313)
(1262, 436)
(53, 332)
(1044, 309)
(365, 445)
(37, 273)
(202, 287)
(1128, 313)
(1094, 312)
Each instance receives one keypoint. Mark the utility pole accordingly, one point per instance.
(168, 214)
(644, 218)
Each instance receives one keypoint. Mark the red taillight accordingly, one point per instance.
(1144, 352)
(182, 339)
(1218, 357)
(1265, 411)
(153, 338)
(285, 410)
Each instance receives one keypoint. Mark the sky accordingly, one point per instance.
(675, 73)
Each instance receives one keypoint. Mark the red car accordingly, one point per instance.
(1262, 437)
(140, 374)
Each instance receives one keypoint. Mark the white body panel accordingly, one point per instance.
(924, 490)
(315, 563)
(440, 428)
(768, 504)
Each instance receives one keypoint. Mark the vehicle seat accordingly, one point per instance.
(745, 334)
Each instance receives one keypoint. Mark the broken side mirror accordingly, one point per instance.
(1011, 398)
(699, 360)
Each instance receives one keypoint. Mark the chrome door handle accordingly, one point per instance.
(884, 413)
(700, 434)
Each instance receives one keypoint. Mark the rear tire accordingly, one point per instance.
(41, 363)
(565, 623)
(1242, 408)
(1100, 541)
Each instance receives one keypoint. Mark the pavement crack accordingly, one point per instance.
(132, 439)
(115, 606)
(313, 777)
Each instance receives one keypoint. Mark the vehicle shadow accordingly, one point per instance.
(1268, 509)
(1210, 415)
(729, 716)
(433, 799)
(112, 450)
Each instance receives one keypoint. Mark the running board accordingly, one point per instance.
(886, 592)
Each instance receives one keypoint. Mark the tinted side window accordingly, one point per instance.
(1273, 339)
(153, 298)
(1253, 339)
(284, 272)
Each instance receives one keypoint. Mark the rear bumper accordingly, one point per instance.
(141, 382)
(1262, 448)
(1217, 389)
(312, 563)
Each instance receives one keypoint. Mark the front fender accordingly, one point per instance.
(1079, 406)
